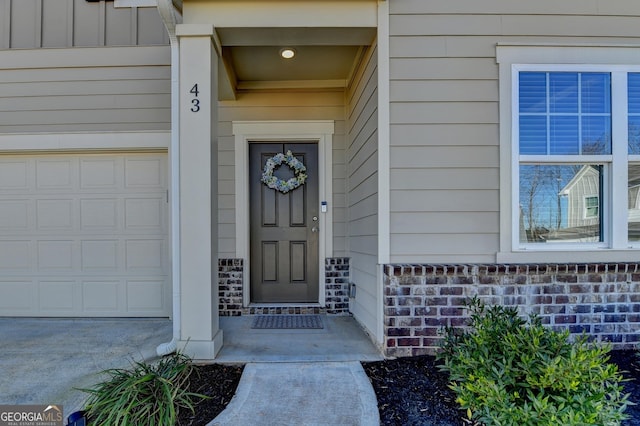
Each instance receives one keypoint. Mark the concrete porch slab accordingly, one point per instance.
(341, 339)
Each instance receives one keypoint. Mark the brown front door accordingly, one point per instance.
(283, 227)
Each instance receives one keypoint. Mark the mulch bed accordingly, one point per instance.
(410, 391)
(217, 381)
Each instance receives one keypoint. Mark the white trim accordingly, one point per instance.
(320, 131)
(84, 141)
(615, 59)
(85, 57)
(384, 142)
(135, 3)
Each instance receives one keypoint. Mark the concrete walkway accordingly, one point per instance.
(302, 394)
(293, 377)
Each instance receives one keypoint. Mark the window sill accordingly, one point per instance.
(574, 256)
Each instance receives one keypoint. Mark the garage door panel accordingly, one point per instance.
(144, 173)
(100, 296)
(144, 255)
(100, 255)
(14, 215)
(84, 235)
(97, 173)
(99, 214)
(145, 296)
(15, 256)
(55, 214)
(57, 296)
(55, 174)
(17, 296)
(14, 175)
(56, 255)
(144, 214)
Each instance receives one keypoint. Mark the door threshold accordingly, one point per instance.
(284, 309)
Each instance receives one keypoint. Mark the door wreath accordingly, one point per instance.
(282, 185)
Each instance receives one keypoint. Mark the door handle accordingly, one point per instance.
(315, 229)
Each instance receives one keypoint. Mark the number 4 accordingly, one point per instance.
(194, 90)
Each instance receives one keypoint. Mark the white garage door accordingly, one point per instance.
(84, 235)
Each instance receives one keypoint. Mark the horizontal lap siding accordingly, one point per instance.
(362, 189)
(284, 107)
(445, 118)
(126, 96)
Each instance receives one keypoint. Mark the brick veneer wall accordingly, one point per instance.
(230, 279)
(602, 300)
(337, 285)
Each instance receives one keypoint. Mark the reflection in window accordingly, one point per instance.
(634, 202)
(560, 203)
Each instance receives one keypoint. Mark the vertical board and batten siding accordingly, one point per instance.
(30, 24)
(286, 107)
(444, 112)
(362, 189)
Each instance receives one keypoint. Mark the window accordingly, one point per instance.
(591, 207)
(569, 164)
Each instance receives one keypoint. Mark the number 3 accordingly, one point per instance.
(196, 105)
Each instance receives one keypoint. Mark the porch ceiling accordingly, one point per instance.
(326, 58)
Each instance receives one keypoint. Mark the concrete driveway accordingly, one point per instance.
(43, 360)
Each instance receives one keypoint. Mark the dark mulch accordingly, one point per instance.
(217, 381)
(410, 391)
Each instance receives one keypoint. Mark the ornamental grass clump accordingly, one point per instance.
(146, 394)
(506, 370)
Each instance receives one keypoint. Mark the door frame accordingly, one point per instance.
(318, 131)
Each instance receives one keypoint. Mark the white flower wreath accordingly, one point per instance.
(281, 185)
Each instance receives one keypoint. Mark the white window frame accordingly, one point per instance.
(586, 214)
(616, 60)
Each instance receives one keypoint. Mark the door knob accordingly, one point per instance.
(315, 229)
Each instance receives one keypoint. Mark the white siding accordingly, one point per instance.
(85, 89)
(444, 112)
(362, 189)
(28, 24)
(278, 106)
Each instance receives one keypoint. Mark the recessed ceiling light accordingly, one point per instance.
(287, 53)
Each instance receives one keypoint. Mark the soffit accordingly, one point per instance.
(329, 38)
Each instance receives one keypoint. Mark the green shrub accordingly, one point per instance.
(146, 394)
(505, 370)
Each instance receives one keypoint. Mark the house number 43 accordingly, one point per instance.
(195, 102)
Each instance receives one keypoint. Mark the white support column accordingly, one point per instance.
(200, 334)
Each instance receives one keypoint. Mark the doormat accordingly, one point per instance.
(287, 322)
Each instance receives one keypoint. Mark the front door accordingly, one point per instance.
(283, 225)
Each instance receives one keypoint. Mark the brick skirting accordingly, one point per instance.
(602, 300)
(230, 290)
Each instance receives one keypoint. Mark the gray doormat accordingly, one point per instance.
(287, 322)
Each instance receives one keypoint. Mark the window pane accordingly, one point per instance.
(565, 113)
(533, 135)
(633, 201)
(564, 135)
(560, 203)
(563, 92)
(533, 92)
(596, 93)
(633, 92)
(596, 135)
